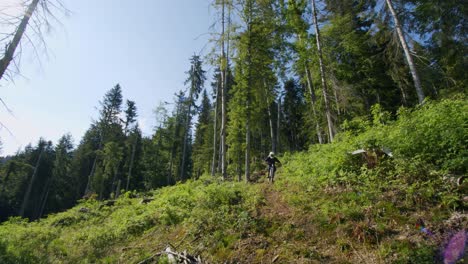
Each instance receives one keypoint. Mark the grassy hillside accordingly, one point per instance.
(327, 205)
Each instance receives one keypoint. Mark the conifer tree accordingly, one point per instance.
(196, 82)
(202, 148)
(298, 25)
(59, 190)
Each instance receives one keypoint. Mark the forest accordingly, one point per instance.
(363, 101)
(310, 80)
(289, 74)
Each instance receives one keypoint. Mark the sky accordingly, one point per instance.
(144, 45)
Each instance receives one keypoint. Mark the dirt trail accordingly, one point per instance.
(275, 206)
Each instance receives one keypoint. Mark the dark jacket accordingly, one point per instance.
(271, 161)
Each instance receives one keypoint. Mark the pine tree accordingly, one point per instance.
(196, 81)
(59, 187)
(202, 146)
(298, 25)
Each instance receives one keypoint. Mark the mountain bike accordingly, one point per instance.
(271, 173)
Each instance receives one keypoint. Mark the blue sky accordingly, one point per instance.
(144, 45)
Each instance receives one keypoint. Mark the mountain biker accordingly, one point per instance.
(271, 161)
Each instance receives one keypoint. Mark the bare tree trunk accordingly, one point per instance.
(223, 101)
(187, 128)
(409, 58)
(220, 154)
(215, 121)
(322, 74)
(30, 185)
(270, 119)
(10, 50)
(278, 125)
(131, 164)
(313, 101)
(247, 121)
(247, 143)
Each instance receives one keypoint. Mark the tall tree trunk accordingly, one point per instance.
(409, 58)
(223, 101)
(322, 73)
(215, 140)
(187, 128)
(247, 143)
(278, 119)
(270, 119)
(247, 121)
(313, 101)
(30, 185)
(10, 50)
(131, 165)
(220, 155)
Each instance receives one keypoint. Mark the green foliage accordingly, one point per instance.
(86, 232)
(435, 134)
(203, 145)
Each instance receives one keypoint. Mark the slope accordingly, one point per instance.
(327, 205)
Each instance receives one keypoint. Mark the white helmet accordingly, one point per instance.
(271, 154)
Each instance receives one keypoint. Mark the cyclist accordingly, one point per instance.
(271, 161)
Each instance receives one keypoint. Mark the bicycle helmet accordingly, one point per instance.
(271, 154)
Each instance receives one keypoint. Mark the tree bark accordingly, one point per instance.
(247, 143)
(223, 101)
(215, 126)
(270, 119)
(322, 73)
(278, 125)
(187, 128)
(313, 101)
(11, 48)
(409, 58)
